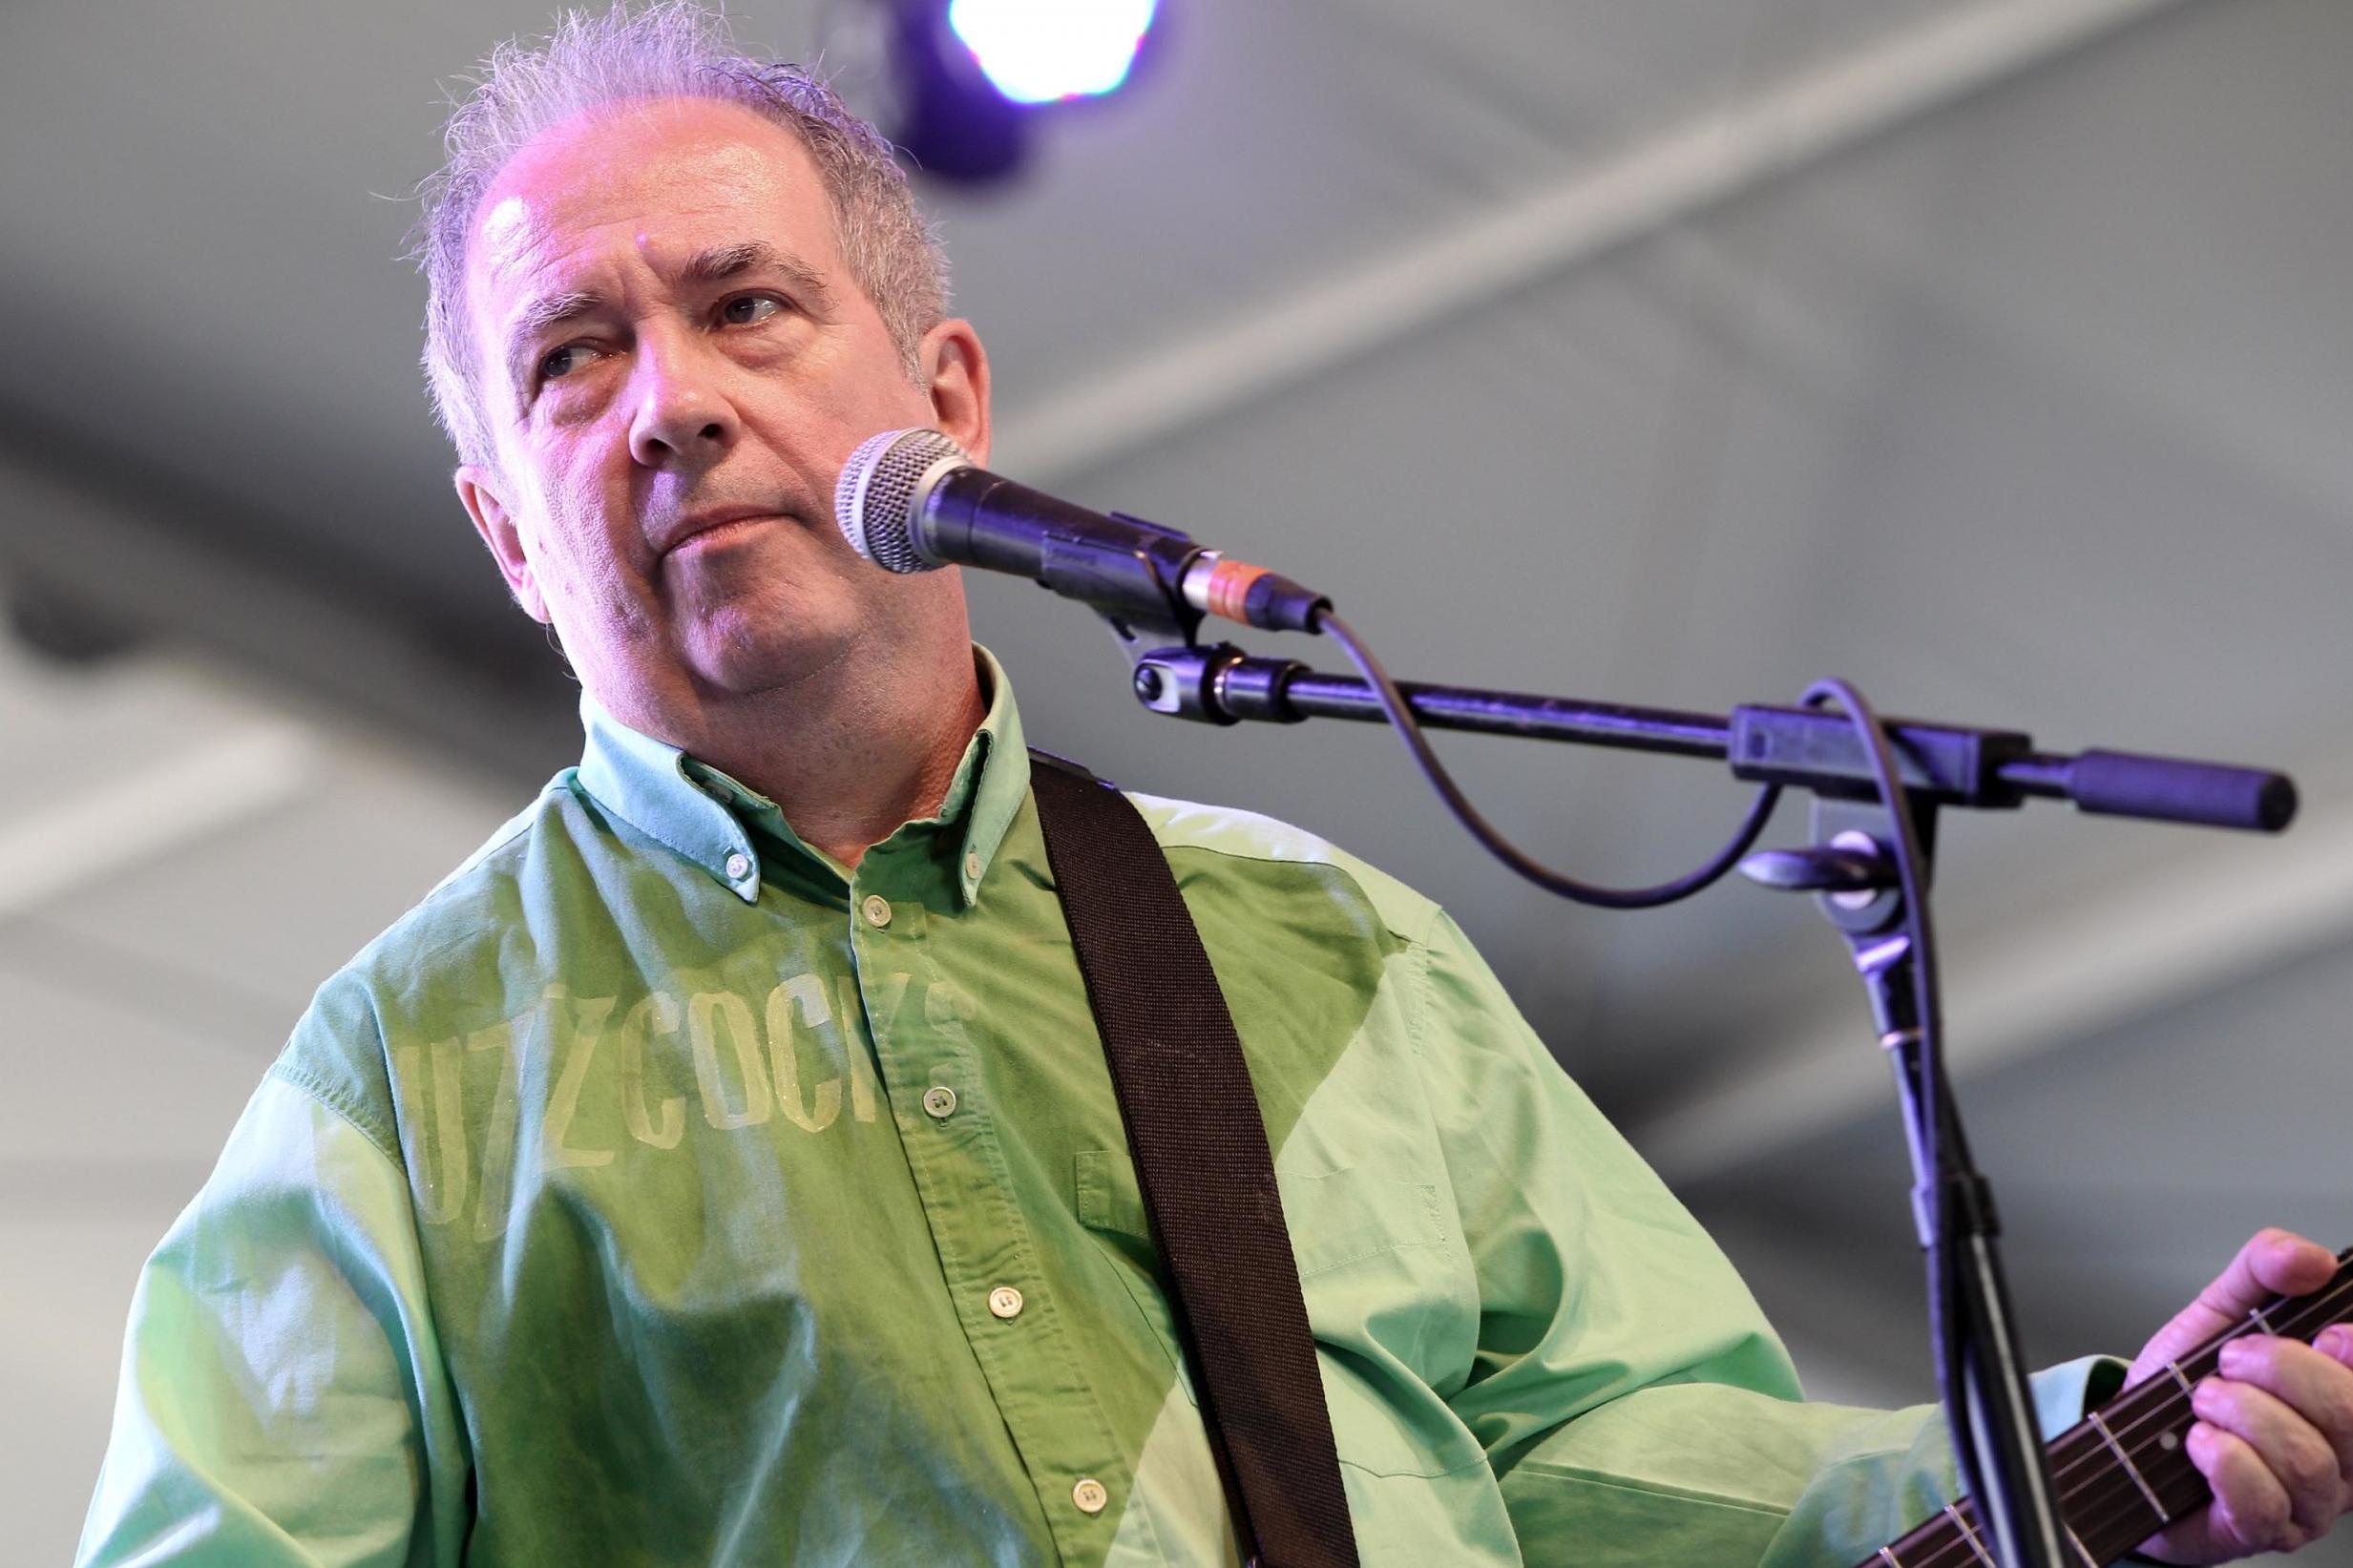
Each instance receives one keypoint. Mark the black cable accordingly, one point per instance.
(1409, 730)
(1933, 1089)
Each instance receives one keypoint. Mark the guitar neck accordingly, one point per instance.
(2124, 1473)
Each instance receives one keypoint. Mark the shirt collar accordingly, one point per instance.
(718, 823)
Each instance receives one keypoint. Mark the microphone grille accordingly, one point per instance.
(875, 499)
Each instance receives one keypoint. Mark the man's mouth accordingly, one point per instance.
(712, 530)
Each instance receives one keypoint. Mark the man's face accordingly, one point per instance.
(676, 363)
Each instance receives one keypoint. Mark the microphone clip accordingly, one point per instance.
(1174, 672)
(1137, 588)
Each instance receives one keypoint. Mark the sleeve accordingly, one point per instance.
(1635, 1405)
(282, 1401)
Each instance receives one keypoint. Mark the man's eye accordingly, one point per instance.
(563, 361)
(746, 309)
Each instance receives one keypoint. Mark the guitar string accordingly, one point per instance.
(2305, 1321)
(2089, 1501)
(2095, 1506)
(2093, 1512)
(2311, 1314)
(2110, 1501)
(2091, 1506)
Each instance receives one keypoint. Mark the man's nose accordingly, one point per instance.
(683, 414)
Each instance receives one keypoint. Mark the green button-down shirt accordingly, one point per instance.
(657, 1191)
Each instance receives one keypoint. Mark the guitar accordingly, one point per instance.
(2123, 1471)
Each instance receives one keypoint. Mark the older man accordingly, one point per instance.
(721, 1164)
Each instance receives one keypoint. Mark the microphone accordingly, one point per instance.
(912, 501)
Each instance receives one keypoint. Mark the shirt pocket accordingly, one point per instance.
(1387, 1293)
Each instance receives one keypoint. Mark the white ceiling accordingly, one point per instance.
(2027, 410)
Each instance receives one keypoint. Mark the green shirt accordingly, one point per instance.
(657, 1192)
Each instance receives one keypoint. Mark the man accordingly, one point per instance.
(722, 1165)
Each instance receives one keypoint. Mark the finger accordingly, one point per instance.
(2274, 1262)
(2297, 1463)
(2250, 1511)
(2313, 1382)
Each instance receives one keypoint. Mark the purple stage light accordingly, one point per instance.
(1044, 50)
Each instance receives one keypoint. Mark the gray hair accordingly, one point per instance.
(673, 49)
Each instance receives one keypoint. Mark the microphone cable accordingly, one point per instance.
(1401, 719)
(1934, 1089)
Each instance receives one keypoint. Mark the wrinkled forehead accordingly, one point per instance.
(644, 183)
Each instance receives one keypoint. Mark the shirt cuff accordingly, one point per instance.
(2065, 1394)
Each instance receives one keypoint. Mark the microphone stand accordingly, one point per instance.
(1854, 868)
(1877, 789)
(1941, 765)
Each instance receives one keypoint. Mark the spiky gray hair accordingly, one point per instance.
(673, 49)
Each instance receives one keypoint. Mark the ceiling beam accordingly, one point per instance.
(127, 820)
(1690, 168)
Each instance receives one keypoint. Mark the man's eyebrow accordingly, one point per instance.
(713, 264)
(535, 318)
(720, 262)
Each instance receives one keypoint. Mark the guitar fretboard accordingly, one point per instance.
(2124, 1472)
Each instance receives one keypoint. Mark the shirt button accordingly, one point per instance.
(939, 1102)
(877, 910)
(972, 865)
(1089, 1495)
(1005, 1302)
(739, 867)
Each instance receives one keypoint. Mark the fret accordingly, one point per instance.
(2147, 1421)
(2129, 1468)
(1970, 1536)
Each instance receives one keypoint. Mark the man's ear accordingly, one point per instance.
(477, 491)
(956, 373)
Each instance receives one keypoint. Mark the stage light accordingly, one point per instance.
(966, 87)
(1045, 50)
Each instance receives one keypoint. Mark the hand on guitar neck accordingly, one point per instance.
(2273, 1428)
(2233, 1434)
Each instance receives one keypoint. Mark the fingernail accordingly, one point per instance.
(2337, 1341)
(2234, 1358)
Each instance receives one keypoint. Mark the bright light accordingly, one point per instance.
(1038, 50)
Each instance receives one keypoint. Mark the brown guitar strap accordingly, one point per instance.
(1205, 1171)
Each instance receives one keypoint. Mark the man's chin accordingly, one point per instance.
(744, 660)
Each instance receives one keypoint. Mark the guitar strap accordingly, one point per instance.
(1205, 1171)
